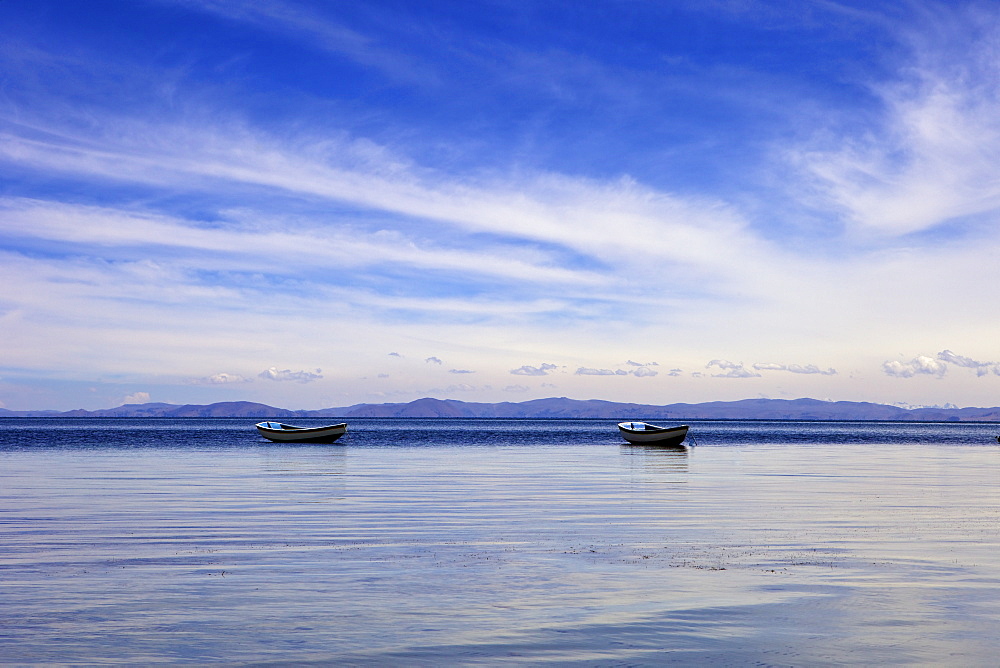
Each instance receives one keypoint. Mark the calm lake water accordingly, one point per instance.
(478, 542)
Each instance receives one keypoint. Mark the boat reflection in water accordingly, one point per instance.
(658, 459)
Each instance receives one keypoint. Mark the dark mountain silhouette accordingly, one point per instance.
(554, 407)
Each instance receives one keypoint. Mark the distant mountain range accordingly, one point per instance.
(561, 407)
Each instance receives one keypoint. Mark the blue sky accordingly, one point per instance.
(315, 204)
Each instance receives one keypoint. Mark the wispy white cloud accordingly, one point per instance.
(585, 371)
(288, 375)
(223, 379)
(528, 370)
(639, 370)
(768, 366)
(302, 23)
(452, 389)
(433, 360)
(794, 368)
(981, 368)
(245, 240)
(931, 160)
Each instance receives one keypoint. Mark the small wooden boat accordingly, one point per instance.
(644, 433)
(286, 433)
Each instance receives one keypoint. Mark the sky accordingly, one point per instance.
(316, 204)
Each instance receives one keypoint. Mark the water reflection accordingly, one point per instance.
(658, 457)
(301, 461)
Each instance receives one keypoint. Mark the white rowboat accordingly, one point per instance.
(643, 433)
(287, 433)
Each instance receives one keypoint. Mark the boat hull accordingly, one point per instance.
(641, 433)
(286, 433)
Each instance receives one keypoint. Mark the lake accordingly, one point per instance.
(478, 542)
